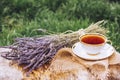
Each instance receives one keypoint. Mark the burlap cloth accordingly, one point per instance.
(67, 66)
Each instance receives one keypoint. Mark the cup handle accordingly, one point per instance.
(109, 41)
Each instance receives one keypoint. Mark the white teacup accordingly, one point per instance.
(93, 42)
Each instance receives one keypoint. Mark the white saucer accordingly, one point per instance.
(107, 51)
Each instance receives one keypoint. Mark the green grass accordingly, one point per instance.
(25, 18)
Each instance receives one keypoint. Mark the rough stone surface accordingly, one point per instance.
(8, 72)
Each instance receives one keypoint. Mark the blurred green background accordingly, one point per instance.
(23, 18)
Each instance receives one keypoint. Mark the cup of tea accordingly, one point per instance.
(93, 42)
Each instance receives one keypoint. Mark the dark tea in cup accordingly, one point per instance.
(93, 42)
(93, 39)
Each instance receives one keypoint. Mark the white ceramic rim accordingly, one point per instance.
(104, 37)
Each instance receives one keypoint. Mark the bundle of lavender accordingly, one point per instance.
(35, 52)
